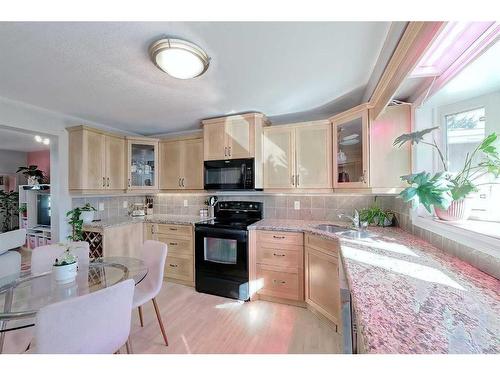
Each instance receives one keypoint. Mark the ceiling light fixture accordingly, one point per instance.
(46, 141)
(179, 58)
(38, 138)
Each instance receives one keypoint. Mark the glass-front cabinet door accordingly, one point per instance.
(350, 150)
(142, 164)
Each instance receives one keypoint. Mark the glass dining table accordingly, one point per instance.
(24, 293)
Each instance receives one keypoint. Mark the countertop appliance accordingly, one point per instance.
(236, 174)
(221, 249)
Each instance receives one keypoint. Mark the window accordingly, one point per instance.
(464, 132)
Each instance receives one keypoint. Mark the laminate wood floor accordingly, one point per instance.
(202, 323)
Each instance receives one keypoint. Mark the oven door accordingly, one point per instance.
(234, 174)
(221, 251)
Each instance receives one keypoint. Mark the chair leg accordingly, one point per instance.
(140, 316)
(128, 346)
(157, 310)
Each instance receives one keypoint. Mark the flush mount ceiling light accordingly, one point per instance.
(45, 141)
(178, 58)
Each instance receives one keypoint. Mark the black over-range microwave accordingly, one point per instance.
(236, 174)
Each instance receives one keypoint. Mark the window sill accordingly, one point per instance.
(479, 235)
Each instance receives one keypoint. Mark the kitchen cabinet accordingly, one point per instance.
(298, 156)
(322, 285)
(280, 266)
(142, 163)
(233, 137)
(179, 266)
(96, 160)
(364, 156)
(115, 241)
(181, 164)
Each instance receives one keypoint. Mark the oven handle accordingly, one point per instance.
(236, 234)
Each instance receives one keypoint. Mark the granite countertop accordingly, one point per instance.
(411, 297)
(156, 218)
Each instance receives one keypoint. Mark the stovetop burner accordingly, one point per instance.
(234, 214)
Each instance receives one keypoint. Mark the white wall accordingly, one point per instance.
(10, 161)
(24, 117)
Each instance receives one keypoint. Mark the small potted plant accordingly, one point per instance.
(65, 267)
(87, 213)
(445, 192)
(377, 216)
(23, 209)
(34, 175)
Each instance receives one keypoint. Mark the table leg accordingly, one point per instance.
(6, 308)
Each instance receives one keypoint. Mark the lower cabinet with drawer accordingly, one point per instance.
(179, 266)
(280, 266)
(322, 287)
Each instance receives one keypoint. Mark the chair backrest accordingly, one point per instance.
(95, 323)
(43, 257)
(154, 254)
(10, 265)
(12, 240)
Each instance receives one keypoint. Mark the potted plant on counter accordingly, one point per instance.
(444, 191)
(377, 216)
(87, 213)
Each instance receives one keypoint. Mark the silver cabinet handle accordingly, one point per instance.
(173, 265)
(278, 255)
(108, 182)
(129, 182)
(173, 243)
(172, 228)
(279, 282)
(292, 180)
(104, 182)
(225, 151)
(229, 150)
(182, 182)
(298, 179)
(279, 237)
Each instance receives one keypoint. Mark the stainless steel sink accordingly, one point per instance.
(331, 228)
(357, 235)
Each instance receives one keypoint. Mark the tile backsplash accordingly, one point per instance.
(113, 206)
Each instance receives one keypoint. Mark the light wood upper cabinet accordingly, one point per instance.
(115, 162)
(233, 137)
(96, 160)
(322, 284)
(298, 156)
(142, 163)
(388, 163)
(313, 149)
(181, 164)
(279, 159)
(351, 149)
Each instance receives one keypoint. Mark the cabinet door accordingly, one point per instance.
(279, 159)
(192, 164)
(214, 142)
(95, 161)
(313, 150)
(142, 164)
(350, 151)
(115, 163)
(170, 164)
(240, 138)
(123, 241)
(322, 283)
(388, 163)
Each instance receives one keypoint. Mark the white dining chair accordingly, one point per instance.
(154, 254)
(43, 257)
(10, 261)
(95, 323)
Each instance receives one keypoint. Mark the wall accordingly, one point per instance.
(41, 159)
(10, 160)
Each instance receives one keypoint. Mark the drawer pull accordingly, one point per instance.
(279, 237)
(172, 228)
(278, 255)
(173, 243)
(173, 265)
(279, 282)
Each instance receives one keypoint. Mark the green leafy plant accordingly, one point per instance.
(444, 187)
(66, 259)
(33, 171)
(76, 224)
(377, 216)
(8, 209)
(23, 208)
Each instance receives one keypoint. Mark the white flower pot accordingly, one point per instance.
(65, 274)
(87, 216)
(458, 210)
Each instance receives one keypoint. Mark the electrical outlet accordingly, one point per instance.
(185, 202)
(296, 205)
(101, 206)
(125, 204)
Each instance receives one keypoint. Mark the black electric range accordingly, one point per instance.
(221, 249)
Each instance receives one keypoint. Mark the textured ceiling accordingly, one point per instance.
(101, 71)
(18, 141)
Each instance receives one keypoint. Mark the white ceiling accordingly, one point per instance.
(18, 141)
(101, 72)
